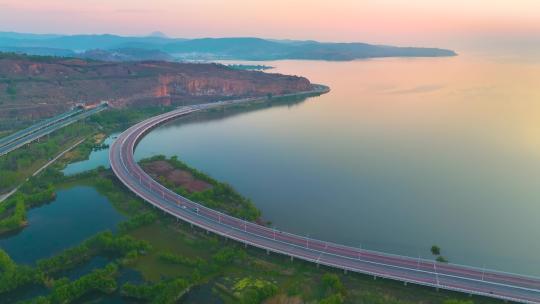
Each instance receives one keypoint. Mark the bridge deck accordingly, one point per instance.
(35, 127)
(44, 129)
(465, 279)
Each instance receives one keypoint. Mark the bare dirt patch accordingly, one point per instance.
(99, 138)
(180, 178)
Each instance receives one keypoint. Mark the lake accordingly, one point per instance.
(95, 159)
(76, 214)
(400, 155)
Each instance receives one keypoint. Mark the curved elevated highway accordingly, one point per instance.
(464, 279)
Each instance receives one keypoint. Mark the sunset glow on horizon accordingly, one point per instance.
(419, 22)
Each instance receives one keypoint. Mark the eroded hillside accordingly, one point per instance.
(34, 87)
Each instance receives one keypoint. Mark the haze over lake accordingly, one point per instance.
(400, 155)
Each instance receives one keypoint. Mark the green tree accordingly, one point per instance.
(441, 259)
(435, 250)
(332, 283)
(228, 255)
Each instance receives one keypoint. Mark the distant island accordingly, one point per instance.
(158, 47)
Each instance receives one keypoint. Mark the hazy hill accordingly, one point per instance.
(79, 42)
(215, 48)
(125, 54)
(40, 51)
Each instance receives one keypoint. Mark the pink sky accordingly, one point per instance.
(413, 22)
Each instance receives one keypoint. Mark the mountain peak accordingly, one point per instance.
(158, 34)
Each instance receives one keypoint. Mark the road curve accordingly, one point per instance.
(470, 280)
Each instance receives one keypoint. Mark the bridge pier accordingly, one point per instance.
(374, 278)
(267, 252)
(292, 258)
(405, 283)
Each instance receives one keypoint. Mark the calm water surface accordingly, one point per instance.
(401, 155)
(95, 159)
(76, 214)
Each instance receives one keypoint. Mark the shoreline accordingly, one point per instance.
(318, 89)
(377, 264)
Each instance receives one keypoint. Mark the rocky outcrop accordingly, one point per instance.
(41, 86)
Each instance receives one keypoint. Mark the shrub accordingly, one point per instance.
(137, 221)
(332, 283)
(228, 255)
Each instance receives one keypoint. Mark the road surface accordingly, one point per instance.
(5, 196)
(52, 161)
(39, 130)
(460, 278)
(35, 127)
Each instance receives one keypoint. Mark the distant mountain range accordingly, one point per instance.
(160, 47)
